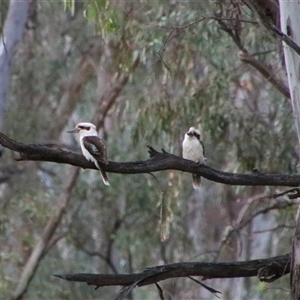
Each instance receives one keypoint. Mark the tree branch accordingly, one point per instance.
(267, 270)
(249, 59)
(159, 161)
(265, 72)
(268, 12)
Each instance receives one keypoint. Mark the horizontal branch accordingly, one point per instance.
(267, 270)
(159, 161)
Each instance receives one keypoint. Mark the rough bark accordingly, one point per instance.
(290, 24)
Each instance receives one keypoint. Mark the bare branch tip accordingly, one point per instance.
(62, 276)
(152, 152)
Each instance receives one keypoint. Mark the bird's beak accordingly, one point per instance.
(75, 130)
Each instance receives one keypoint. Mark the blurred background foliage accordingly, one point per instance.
(183, 70)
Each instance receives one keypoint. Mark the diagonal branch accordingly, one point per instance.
(265, 72)
(249, 59)
(286, 39)
(274, 267)
(268, 12)
(159, 161)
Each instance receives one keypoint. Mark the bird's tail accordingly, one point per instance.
(196, 181)
(103, 174)
(104, 177)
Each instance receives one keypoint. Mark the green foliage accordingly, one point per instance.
(69, 5)
(104, 15)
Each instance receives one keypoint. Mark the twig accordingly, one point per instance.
(163, 47)
(274, 228)
(160, 291)
(204, 19)
(211, 290)
(294, 193)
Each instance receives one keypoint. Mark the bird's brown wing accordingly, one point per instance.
(97, 148)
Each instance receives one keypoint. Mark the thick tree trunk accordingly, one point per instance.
(290, 25)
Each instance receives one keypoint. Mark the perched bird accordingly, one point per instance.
(93, 148)
(193, 149)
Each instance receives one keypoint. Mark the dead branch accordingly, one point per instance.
(159, 161)
(268, 270)
(291, 194)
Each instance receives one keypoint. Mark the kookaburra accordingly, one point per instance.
(93, 148)
(193, 149)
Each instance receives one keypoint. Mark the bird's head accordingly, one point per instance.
(84, 129)
(194, 133)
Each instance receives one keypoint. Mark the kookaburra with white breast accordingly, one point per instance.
(193, 149)
(93, 147)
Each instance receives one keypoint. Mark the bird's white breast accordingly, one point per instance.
(192, 149)
(86, 153)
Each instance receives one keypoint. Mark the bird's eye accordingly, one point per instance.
(84, 128)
